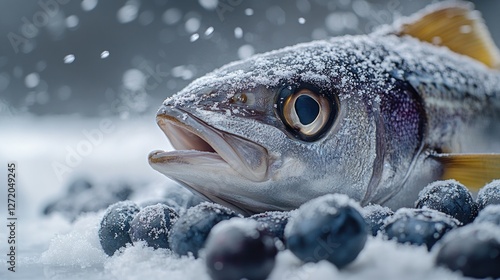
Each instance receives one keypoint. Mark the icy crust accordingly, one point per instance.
(375, 209)
(423, 215)
(427, 190)
(120, 212)
(348, 62)
(149, 214)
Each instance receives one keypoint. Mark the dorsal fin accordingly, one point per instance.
(457, 26)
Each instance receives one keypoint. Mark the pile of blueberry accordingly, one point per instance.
(82, 196)
(465, 234)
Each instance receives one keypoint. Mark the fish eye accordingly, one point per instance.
(306, 113)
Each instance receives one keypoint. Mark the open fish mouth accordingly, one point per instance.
(202, 148)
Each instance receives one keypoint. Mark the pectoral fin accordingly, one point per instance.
(472, 170)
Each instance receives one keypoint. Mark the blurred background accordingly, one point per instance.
(101, 58)
(80, 80)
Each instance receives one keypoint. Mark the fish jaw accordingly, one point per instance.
(196, 143)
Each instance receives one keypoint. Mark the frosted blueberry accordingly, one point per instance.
(191, 230)
(418, 226)
(489, 194)
(152, 225)
(273, 222)
(449, 197)
(115, 225)
(327, 228)
(375, 215)
(473, 249)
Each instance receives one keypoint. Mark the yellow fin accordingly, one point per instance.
(457, 26)
(472, 170)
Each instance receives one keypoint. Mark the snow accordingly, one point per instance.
(70, 58)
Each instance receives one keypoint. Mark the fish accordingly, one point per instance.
(376, 117)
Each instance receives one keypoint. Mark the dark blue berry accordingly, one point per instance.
(190, 231)
(490, 214)
(79, 185)
(473, 249)
(489, 194)
(375, 215)
(152, 225)
(115, 225)
(327, 228)
(273, 222)
(418, 226)
(82, 198)
(238, 249)
(449, 197)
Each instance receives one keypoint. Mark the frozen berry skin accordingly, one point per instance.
(273, 222)
(191, 230)
(327, 228)
(489, 194)
(490, 214)
(375, 215)
(449, 197)
(473, 250)
(164, 201)
(152, 225)
(238, 249)
(115, 226)
(418, 226)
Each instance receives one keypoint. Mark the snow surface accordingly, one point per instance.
(53, 248)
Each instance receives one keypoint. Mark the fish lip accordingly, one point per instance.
(187, 133)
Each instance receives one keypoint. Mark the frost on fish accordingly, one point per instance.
(400, 100)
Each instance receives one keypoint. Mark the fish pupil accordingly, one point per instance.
(307, 109)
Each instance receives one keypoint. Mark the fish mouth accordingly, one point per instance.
(205, 148)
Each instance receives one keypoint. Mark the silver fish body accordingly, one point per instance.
(391, 102)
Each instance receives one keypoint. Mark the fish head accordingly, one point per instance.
(275, 130)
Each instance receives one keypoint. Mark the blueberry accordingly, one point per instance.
(327, 228)
(473, 249)
(374, 215)
(238, 249)
(115, 225)
(449, 197)
(418, 226)
(83, 197)
(489, 194)
(190, 231)
(273, 222)
(79, 185)
(120, 190)
(152, 225)
(490, 214)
